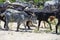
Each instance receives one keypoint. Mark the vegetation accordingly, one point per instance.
(1, 1)
(35, 1)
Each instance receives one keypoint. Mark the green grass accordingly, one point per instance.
(2, 1)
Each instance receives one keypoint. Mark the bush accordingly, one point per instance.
(1, 1)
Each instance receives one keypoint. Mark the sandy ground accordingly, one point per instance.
(30, 35)
(11, 35)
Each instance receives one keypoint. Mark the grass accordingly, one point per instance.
(2, 1)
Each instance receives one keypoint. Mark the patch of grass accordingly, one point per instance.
(47, 31)
(1, 1)
(39, 31)
(36, 31)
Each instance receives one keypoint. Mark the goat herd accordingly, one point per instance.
(24, 12)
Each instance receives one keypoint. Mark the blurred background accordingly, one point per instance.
(39, 3)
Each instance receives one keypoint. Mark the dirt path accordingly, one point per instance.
(11, 35)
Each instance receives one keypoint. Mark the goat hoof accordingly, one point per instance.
(29, 28)
(6, 29)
